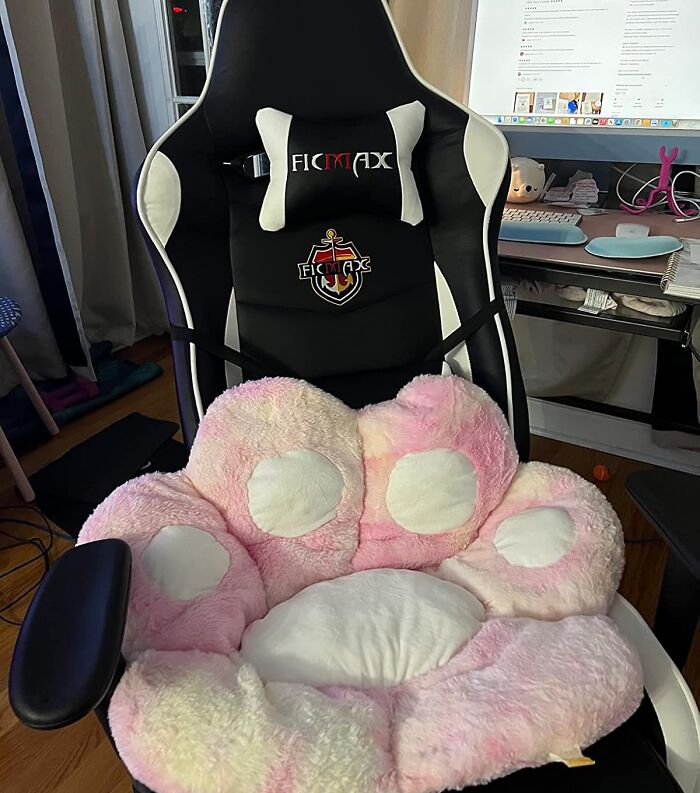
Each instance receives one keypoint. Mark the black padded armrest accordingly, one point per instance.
(669, 500)
(69, 646)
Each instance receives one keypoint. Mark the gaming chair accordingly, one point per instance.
(432, 302)
(228, 282)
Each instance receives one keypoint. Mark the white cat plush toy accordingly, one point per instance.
(526, 181)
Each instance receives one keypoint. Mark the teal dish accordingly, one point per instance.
(633, 247)
(543, 233)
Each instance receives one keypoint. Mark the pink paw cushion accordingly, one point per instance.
(372, 602)
(438, 459)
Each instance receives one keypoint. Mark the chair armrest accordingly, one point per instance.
(669, 500)
(69, 646)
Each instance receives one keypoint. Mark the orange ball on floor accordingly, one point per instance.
(601, 473)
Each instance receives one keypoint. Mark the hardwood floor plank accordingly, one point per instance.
(57, 758)
(80, 759)
(100, 772)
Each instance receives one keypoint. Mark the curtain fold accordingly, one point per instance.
(33, 270)
(78, 89)
(34, 339)
(212, 9)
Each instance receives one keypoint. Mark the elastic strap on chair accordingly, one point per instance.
(258, 364)
(264, 366)
(467, 330)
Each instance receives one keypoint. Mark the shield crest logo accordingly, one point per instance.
(335, 268)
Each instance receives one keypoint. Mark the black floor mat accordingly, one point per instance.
(70, 488)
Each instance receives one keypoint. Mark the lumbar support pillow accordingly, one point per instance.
(326, 168)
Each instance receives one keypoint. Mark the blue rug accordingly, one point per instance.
(115, 377)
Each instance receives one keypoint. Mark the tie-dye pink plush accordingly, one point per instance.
(546, 673)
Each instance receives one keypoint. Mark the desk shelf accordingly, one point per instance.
(589, 278)
(621, 319)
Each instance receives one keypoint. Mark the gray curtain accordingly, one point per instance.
(79, 92)
(212, 8)
(34, 339)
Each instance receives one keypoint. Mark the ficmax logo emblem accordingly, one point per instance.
(335, 268)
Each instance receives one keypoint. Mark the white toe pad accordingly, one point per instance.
(295, 493)
(432, 492)
(184, 562)
(536, 537)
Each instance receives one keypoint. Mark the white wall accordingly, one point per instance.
(436, 34)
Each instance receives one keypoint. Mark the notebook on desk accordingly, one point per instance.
(682, 276)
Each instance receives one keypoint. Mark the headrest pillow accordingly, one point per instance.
(326, 168)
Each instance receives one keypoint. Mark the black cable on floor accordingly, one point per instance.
(43, 549)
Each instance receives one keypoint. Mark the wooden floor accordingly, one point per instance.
(79, 759)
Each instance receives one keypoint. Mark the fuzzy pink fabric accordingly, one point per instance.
(261, 419)
(518, 692)
(215, 622)
(242, 735)
(190, 717)
(583, 581)
(430, 413)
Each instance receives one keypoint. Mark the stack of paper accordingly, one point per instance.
(682, 278)
(581, 191)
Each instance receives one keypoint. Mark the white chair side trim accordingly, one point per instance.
(493, 158)
(141, 208)
(669, 694)
(162, 196)
(457, 359)
(486, 155)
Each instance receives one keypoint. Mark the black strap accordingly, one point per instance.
(258, 364)
(467, 330)
(264, 366)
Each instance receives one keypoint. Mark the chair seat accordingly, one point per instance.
(10, 315)
(627, 761)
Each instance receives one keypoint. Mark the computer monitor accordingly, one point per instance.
(594, 80)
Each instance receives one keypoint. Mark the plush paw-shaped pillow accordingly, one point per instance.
(372, 602)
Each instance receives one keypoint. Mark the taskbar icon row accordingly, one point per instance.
(589, 121)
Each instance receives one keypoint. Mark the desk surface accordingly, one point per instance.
(600, 226)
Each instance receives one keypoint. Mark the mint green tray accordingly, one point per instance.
(633, 247)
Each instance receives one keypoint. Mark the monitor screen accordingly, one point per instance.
(592, 64)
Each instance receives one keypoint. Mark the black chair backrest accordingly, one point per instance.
(234, 284)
